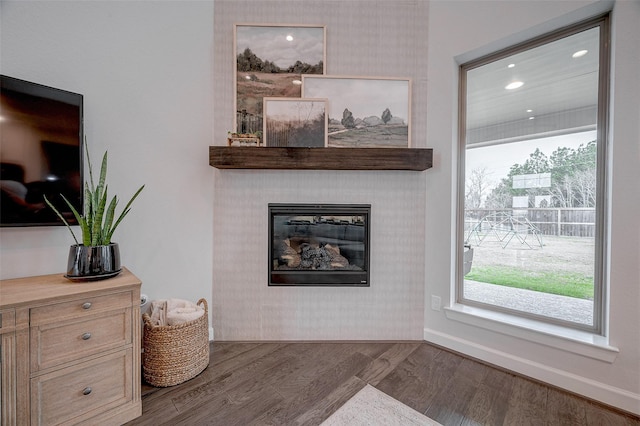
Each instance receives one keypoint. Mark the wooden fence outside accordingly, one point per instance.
(568, 222)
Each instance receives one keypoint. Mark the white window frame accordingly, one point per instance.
(496, 314)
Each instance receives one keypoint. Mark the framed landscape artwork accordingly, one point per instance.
(291, 122)
(364, 111)
(270, 61)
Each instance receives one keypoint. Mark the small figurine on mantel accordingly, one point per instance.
(244, 139)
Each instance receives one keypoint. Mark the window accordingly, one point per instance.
(532, 172)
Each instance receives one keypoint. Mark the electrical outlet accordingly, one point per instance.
(435, 302)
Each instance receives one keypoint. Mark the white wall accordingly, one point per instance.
(145, 70)
(363, 38)
(469, 29)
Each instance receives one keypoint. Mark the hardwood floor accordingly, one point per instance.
(283, 383)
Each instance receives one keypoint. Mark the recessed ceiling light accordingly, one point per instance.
(289, 37)
(531, 118)
(298, 82)
(529, 110)
(511, 65)
(579, 53)
(247, 77)
(513, 85)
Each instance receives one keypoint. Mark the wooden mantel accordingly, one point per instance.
(236, 157)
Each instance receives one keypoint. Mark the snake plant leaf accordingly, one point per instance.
(124, 212)
(103, 170)
(98, 191)
(46, 200)
(108, 221)
(96, 226)
(86, 150)
(89, 214)
(83, 221)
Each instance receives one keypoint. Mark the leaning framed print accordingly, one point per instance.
(270, 60)
(295, 122)
(364, 111)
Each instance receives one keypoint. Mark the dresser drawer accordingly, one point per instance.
(57, 343)
(79, 308)
(77, 393)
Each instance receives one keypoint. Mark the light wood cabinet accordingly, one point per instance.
(70, 351)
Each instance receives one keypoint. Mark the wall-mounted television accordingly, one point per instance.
(41, 134)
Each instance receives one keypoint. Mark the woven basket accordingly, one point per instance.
(177, 353)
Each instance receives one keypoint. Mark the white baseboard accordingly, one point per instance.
(210, 334)
(607, 394)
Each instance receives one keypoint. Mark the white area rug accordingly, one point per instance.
(372, 407)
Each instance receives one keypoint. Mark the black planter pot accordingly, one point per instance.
(93, 262)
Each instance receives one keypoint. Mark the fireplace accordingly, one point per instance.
(319, 244)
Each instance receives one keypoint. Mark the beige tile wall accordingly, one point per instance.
(371, 38)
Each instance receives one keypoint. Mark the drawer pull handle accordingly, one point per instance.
(86, 391)
(86, 305)
(86, 336)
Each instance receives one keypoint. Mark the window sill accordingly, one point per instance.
(563, 338)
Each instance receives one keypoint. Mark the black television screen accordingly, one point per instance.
(41, 154)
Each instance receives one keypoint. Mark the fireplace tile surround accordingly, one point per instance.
(244, 307)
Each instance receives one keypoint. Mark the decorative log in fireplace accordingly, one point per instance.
(319, 244)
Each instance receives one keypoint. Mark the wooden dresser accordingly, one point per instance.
(70, 351)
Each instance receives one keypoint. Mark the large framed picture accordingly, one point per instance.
(270, 60)
(295, 122)
(364, 111)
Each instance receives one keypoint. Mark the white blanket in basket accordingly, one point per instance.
(174, 312)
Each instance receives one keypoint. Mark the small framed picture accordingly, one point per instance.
(295, 122)
(270, 61)
(364, 111)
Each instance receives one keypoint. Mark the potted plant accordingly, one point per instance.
(97, 256)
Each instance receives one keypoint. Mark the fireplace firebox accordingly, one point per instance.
(319, 244)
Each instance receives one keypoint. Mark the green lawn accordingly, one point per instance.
(565, 284)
